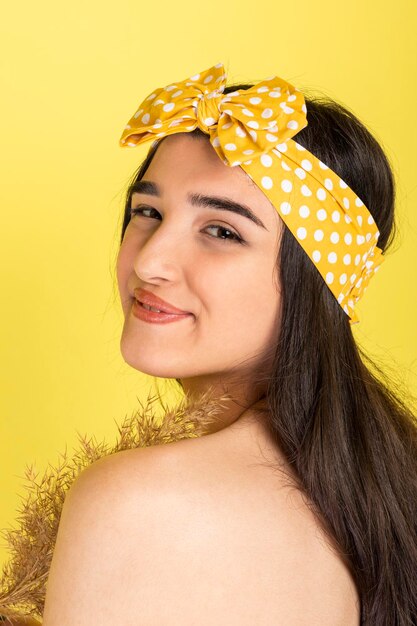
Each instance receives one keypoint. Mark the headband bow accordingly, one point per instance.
(253, 128)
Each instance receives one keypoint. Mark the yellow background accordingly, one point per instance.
(71, 76)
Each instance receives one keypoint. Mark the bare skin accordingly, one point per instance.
(231, 540)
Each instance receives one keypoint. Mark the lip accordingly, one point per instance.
(146, 297)
(156, 318)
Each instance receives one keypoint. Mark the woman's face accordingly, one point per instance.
(175, 247)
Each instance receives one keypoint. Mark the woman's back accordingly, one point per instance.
(200, 531)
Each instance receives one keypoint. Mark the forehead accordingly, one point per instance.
(184, 163)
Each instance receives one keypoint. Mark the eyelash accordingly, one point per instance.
(234, 239)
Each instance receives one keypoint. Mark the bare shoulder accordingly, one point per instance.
(151, 524)
(105, 515)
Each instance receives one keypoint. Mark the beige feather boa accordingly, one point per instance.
(31, 544)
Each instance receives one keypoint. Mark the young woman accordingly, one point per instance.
(298, 506)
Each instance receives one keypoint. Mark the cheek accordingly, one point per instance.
(124, 262)
(249, 301)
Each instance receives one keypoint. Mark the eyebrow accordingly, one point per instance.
(201, 200)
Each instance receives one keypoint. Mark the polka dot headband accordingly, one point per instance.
(253, 128)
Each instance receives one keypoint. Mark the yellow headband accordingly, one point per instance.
(252, 128)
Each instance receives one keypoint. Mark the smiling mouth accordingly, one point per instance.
(150, 308)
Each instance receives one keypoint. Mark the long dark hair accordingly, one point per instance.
(347, 434)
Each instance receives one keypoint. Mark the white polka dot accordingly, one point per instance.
(304, 211)
(343, 279)
(347, 259)
(334, 237)
(359, 219)
(208, 79)
(255, 100)
(346, 202)
(266, 182)
(146, 118)
(230, 146)
(240, 132)
(282, 147)
(168, 106)
(316, 256)
(262, 89)
(248, 151)
(247, 112)
(253, 134)
(321, 194)
(329, 278)
(267, 113)
(286, 108)
(306, 164)
(285, 166)
(253, 124)
(342, 184)
(292, 124)
(318, 235)
(336, 216)
(346, 310)
(322, 165)
(300, 173)
(227, 125)
(271, 137)
(299, 147)
(332, 257)
(328, 183)
(285, 208)
(209, 121)
(357, 259)
(359, 283)
(369, 264)
(360, 239)
(347, 219)
(368, 236)
(286, 185)
(216, 142)
(177, 93)
(301, 232)
(275, 94)
(348, 239)
(370, 219)
(266, 160)
(353, 278)
(306, 191)
(195, 77)
(321, 215)
(358, 202)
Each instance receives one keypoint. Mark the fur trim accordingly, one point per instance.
(24, 576)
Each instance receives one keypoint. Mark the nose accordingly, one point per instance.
(162, 255)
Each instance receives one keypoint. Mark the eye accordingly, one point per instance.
(228, 235)
(139, 211)
(234, 236)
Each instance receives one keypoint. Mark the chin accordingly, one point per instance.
(151, 362)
